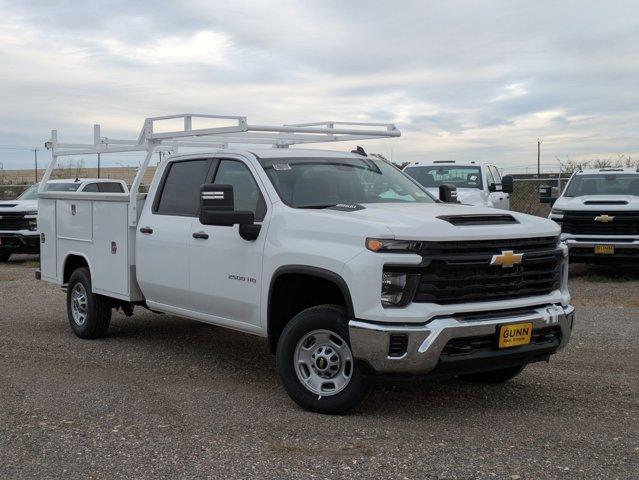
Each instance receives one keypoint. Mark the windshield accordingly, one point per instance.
(434, 176)
(30, 193)
(600, 184)
(321, 183)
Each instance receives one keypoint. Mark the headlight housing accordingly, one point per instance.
(392, 246)
(398, 288)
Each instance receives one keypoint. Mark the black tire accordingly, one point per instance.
(4, 257)
(97, 311)
(324, 317)
(494, 376)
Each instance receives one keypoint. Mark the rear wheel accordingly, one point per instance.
(315, 362)
(494, 376)
(89, 314)
(4, 257)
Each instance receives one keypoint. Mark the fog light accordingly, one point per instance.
(33, 224)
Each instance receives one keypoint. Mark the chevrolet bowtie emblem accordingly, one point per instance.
(507, 259)
(604, 218)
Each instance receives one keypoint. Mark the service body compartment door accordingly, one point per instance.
(74, 219)
(110, 247)
(48, 249)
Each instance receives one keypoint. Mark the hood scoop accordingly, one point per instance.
(606, 202)
(469, 220)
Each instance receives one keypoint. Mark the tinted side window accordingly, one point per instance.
(489, 176)
(91, 187)
(110, 187)
(246, 193)
(180, 194)
(495, 172)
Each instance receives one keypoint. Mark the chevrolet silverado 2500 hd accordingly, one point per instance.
(345, 264)
(478, 184)
(18, 218)
(598, 212)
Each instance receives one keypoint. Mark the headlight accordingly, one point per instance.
(398, 288)
(556, 214)
(397, 246)
(33, 224)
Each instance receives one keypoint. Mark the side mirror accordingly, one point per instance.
(507, 184)
(448, 193)
(217, 207)
(492, 187)
(545, 195)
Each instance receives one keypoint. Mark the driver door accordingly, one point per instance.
(225, 271)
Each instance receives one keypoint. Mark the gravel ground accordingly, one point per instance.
(165, 397)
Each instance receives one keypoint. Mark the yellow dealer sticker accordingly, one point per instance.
(515, 335)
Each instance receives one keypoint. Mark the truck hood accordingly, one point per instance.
(421, 222)
(598, 203)
(468, 196)
(18, 206)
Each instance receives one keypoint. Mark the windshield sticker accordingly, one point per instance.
(472, 178)
(347, 207)
(281, 166)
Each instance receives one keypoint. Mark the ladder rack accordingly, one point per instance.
(234, 130)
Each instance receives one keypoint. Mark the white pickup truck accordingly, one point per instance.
(599, 215)
(18, 218)
(478, 184)
(345, 264)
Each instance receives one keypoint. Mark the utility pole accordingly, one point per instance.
(98, 165)
(35, 158)
(538, 158)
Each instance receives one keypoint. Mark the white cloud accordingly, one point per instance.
(461, 79)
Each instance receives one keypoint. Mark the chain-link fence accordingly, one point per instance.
(525, 196)
(10, 192)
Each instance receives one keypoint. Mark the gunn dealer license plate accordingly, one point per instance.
(604, 249)
(515, 335)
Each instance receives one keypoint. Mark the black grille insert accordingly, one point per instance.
(612, 223)
(461, 272)
(13, 221)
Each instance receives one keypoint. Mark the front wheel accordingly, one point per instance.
(89, 314)
(316, 364)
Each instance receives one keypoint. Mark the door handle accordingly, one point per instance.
(148, 230)
(201, 235)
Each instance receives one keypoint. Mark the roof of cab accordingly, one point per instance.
(431, 163)
(604, 171)
(265, 153)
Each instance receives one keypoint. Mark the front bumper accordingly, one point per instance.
(582, 249)
(425, 343)
(12, 242)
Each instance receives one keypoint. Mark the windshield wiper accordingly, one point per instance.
(318, 207)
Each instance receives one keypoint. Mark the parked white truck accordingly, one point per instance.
(344, 263)
(598, 212)
(478, 184)
(18, 218)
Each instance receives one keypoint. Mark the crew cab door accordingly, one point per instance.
(226, 270)
(164, 233)
(502, 199)
(496, 199)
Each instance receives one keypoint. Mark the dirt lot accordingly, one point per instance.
(164, 397)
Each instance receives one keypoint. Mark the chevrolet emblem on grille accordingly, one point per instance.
(604, 218)
(507, 259)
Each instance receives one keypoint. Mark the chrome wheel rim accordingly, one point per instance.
(323, 362)
(79, 304)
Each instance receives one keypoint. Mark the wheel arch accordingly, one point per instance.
(73, 261)
(274, 327)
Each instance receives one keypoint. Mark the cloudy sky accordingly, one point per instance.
(461, 79)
